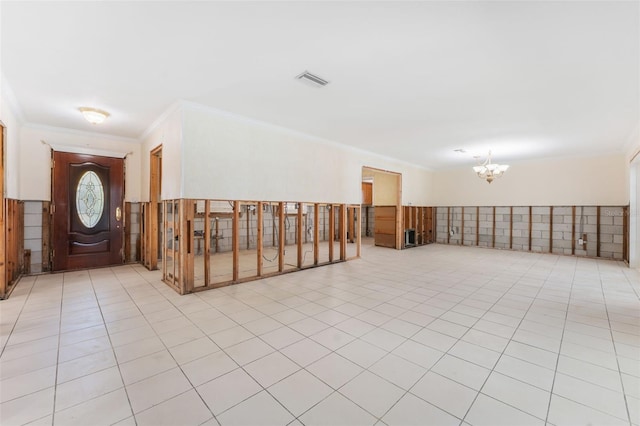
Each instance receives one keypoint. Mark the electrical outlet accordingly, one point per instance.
(580, 241)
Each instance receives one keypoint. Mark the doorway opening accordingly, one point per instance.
(382, 208)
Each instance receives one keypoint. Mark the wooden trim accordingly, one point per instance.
(235, 240)
(46, 236)
(259, 238)
(511, 228)
(573, 230)
(342, 222)
(530, 225)
(462, 227)
(299, 234)
(358, 232)
(281, 235)
(207, 244)
(598, 231)
(625, 233)
(399, 230)
(477, 225)
(127, 232)
(316, 233)
(3, 223)
(448, 225)
(493, 237)
(550, 229)
(332, 230)
(155, 184)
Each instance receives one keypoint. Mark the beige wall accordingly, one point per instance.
(231, 157)
(35, 158)
(12, 147)
(385, 189)
(167, 131)
(599, 180)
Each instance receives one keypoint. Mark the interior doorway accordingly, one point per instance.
(88, 196)
(382, 207)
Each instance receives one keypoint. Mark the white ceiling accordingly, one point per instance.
(409, 80)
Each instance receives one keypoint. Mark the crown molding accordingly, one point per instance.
(76, 132)
(317, 139)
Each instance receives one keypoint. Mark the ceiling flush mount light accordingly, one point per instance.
(93, 115)
(313, 80)
(488, 170)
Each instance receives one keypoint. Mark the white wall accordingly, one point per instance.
(231, 157)
(12, 151)
(578, 181)
(166, 131)
(35, 157)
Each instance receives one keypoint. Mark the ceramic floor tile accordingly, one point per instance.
(461, 371)
(418, 353)
(372, 393)
(445, 394)
(248, 351)
(282, 337)
(413, 411)
(300, 391)
(475, 354)
(398, 371)
(591, 373)
(532, 354)
(231, 336)
(27, 408)
(487, 411)
(594, 396)
(355, 327)
(362, 353)
(228, 390)
(103, 410)
(185, 409)
(305, 352)
(383, 339)
(337, 410)
(259, 409)
(334, 370)
(520, 395)
(308, 326)
(85, 365)
(87, 387)
(156, 389)
(564, 412)
(193, 350)
(525, 372)
(26, 384)
(332, 338)
(271, 369)
(433, 339)
(147, 366)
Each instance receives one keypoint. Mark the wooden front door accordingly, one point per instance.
(88, 211)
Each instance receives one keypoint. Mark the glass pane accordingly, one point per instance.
(89, 199)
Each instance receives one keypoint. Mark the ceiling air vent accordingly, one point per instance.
(314, 80)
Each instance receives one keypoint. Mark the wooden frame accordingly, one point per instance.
(3, 224)
(151, 218)
(399, 237)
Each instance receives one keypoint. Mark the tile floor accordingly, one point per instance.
(434, 335)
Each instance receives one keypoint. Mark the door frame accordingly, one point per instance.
(399, 230)
(3, 225)
(52, 225)
(153, 227)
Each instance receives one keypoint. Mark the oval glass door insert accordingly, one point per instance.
(89, 199)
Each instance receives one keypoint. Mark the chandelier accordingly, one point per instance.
(488, 170)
